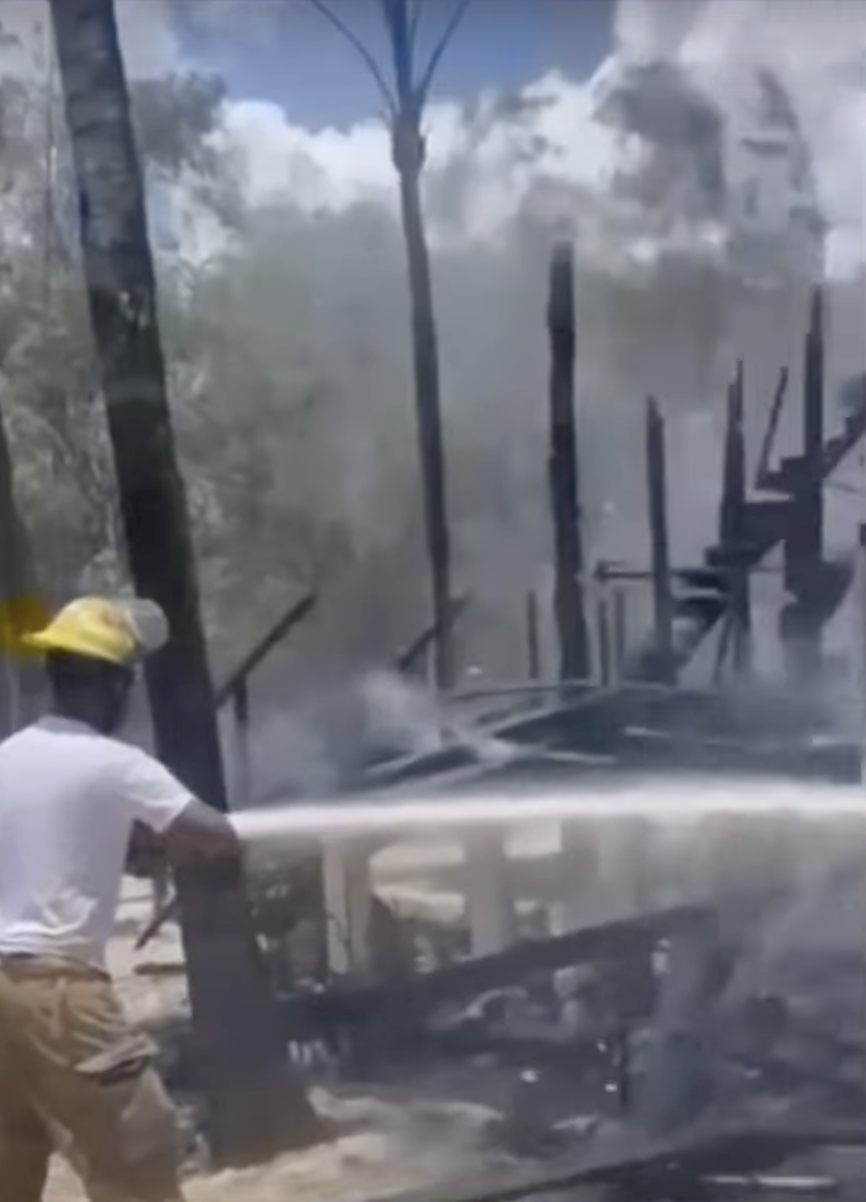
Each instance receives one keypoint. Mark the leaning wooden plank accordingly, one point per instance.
(749, 1150)
(415, 996)
(409, 658)
(295, 614)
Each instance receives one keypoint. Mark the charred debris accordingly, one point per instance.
(733, 1055)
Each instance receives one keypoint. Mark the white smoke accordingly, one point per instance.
(714, 125)
(322, 746)
(668, 146)
(789, 84)
(726, 124)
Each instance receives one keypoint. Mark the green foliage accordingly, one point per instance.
(244, 410)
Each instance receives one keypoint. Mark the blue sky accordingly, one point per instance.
(303, 64)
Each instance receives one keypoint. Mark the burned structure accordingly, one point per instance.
(661, 1016)
(690, 1023)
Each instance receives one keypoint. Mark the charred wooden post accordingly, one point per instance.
(241, 707)
(813, 435)
(620, 631)
(659, 543)
(602, 633)
(255, 1108)
(563, 470)
(800, 627)
(533, 640)
(733, 529)
(568, 548)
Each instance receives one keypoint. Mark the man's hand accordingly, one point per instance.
(146, 854)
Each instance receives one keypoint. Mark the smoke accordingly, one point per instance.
(653, 32)
(324, 745)
(693, 171)
(811, 93)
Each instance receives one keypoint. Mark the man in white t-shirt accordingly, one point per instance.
(74, 1077)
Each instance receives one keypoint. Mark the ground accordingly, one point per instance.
(414, 1135)
(389, 1140)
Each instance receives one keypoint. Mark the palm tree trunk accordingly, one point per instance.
(408, 151)
(425, 357)
(254, 1105)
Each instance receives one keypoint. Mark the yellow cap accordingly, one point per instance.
(18, 615)
(114, 631)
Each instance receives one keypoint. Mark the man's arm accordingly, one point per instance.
(199, 830)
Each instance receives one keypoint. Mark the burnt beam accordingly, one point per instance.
(408, 1001)
(563, 470)
(659, 541)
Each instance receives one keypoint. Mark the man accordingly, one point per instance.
(73, 1077)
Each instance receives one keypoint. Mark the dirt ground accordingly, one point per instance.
(396, 1147)
(387, 1141)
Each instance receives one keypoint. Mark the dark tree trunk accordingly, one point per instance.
(408, 154)
(565, 501)
(430, 441)
(255, 1106)
(20, 608)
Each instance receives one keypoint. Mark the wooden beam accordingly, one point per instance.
(657, 509)
(733, 530)
(563, 470)
(405, 1003)
(533, 637)
(260, 650)
(407, 659)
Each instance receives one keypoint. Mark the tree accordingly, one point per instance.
(20, 609)
(51, 388)
(405, 100)
(244, 1058)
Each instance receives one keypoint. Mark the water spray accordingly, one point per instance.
(385, 818)
(674, 801)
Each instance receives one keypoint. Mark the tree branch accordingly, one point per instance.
(358, 46)
(414, 23)
(395, 14)
(423, 87)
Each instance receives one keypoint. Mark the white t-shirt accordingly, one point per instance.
(68, 799)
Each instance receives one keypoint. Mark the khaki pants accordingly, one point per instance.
(74, 1079)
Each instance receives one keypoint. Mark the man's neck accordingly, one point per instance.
(76, 718)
